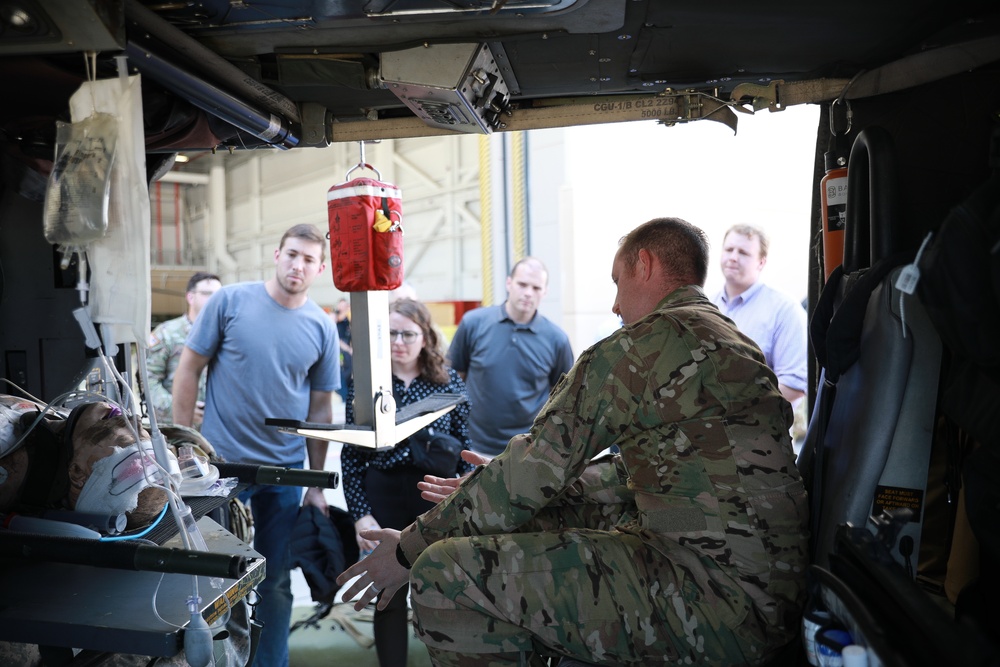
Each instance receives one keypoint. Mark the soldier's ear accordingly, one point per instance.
(644, 265)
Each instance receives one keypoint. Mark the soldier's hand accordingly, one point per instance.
(379, 573)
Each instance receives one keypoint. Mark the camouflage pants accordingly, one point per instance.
(599, 595)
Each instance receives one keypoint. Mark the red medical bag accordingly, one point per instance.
(366, 236)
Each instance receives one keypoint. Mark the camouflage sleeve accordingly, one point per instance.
(157, 358)
(574, 425)
(599, 499)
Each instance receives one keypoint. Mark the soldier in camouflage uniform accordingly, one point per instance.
(687, 546)
(167, 342)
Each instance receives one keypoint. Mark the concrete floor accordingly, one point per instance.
(342, 638)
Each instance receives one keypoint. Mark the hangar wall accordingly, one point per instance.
(585, 188)
(265, 192)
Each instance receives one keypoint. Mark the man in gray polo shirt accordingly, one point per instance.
(510, 357)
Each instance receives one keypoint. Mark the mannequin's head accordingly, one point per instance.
(106, 465)
(88, 460)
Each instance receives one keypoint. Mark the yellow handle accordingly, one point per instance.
(382, 223)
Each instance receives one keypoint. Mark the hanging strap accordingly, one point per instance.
(926, 66)
(915, 70)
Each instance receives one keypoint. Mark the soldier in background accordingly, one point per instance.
(687, 545)
(166, 344)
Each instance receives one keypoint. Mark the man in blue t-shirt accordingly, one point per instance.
(510, 357)
(270, 351)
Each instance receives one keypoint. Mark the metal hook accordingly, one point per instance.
(848, 116)
(841, 99)
(362, 164)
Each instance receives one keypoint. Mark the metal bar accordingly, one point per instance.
(256, 474)
(264, 125)
(118, 611)
(119, 555)
(214, 64)
(373, 403)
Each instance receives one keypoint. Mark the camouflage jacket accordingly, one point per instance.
(165, 346)
(703, 436)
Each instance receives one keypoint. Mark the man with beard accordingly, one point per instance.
(510, 357)
(688, 545)
(270, 350)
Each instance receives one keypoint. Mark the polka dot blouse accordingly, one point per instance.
(355, 461)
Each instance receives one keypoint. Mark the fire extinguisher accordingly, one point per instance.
(833, 193)
(833, 202)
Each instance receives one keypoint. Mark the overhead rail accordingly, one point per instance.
(212, 63)
(264, 125)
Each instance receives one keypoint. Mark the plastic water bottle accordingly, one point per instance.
(812, 621)
(855, 656)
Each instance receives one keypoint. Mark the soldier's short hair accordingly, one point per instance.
(680, 247)
(197, 278)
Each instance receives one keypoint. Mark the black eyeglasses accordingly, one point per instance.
(409, 337)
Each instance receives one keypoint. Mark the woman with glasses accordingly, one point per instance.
(381, 487)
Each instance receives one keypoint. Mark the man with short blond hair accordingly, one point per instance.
(772, 319)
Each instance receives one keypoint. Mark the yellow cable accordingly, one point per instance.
(518, 188)
(486, 218)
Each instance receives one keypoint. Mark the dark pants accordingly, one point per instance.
(274, 509)
(395, 502)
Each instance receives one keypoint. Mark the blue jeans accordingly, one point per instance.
(345, 381)
(274, 510)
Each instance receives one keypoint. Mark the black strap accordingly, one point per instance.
(46, 481)
(827, 394)
(401, 557)
(835, 329)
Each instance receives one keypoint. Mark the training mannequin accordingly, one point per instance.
(87, 461)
